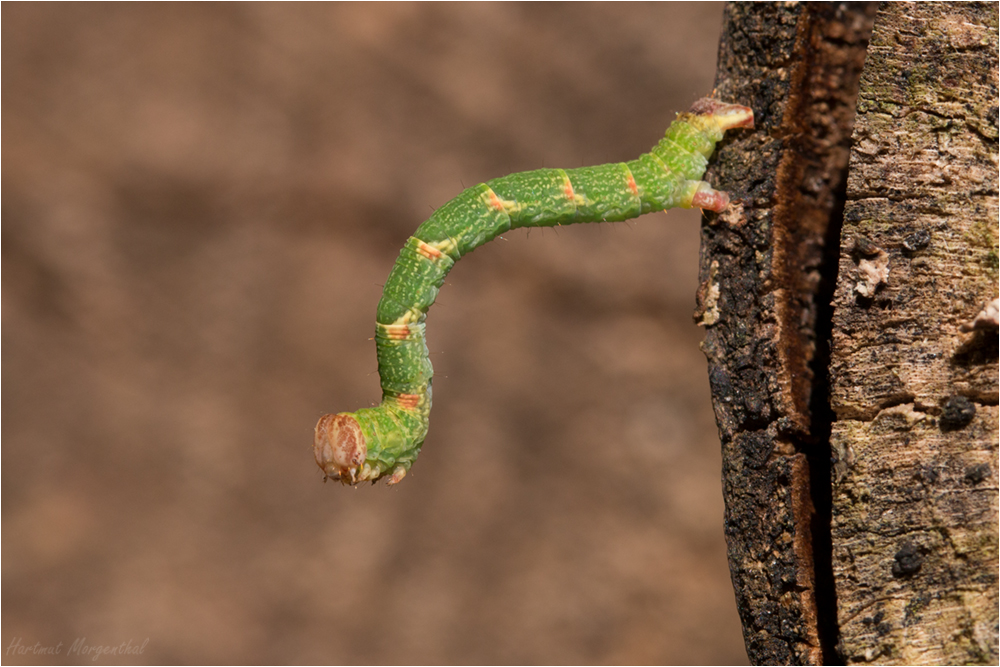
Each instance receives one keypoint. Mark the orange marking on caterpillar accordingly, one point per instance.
(568, 190)
(396, 331)
(631, 184)
(408, 401)
(428, 251)
(496, 202)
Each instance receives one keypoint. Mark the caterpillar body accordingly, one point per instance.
(383, 441)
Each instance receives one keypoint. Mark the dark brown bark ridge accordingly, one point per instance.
(767, 269)
(856, 315)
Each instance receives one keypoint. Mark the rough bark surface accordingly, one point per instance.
(915, 395)
(766, 272)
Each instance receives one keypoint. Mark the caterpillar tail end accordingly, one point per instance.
(340, 447)
(708, 199)
(728, 116)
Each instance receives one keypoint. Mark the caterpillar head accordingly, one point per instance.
(340, 447)
(341, 451)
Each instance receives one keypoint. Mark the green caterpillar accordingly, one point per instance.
(385, 440)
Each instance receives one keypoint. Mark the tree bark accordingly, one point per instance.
(767, 277)
(915, 394)
(892, 554)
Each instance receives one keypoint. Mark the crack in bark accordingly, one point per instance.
(775, 268)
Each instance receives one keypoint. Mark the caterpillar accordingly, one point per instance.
(383, 441)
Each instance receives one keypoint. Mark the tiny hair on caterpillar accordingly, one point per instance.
(384, 440)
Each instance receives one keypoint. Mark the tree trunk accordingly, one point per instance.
(824, 562)
(915, 394)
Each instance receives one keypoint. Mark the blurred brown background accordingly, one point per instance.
(199, 205)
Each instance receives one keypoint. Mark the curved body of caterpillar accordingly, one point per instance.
(384, 440)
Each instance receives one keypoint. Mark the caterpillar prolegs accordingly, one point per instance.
(383, 441)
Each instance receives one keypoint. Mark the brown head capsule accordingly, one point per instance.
(340, 447)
